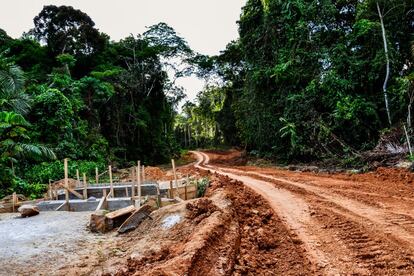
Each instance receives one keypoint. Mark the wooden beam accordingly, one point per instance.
(78, 195)
(65, 161)
(85, 187)
(101, 202)
(135, 219)
(110, 180)
(121, 212)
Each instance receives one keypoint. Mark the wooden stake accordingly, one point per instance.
(171, 190)
(66, 184)
(133, 184)
(139, 185)
(14, 201)
(158, 195)
(85, 187)
(175, 174)
(96, 176)
(110, 181)
(50, 190)
(77, 178)
(185, 187)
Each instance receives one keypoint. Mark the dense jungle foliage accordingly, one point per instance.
(306, 79)
(68, 91)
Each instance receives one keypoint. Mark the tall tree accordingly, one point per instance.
(67, 30)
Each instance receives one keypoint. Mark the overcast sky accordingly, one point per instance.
(207, 25)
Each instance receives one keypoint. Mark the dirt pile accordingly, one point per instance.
(154, 173)
(266, 246)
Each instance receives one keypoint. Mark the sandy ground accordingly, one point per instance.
(43, 244)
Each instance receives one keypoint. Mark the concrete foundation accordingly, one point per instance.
(119, 190)
(80, 205)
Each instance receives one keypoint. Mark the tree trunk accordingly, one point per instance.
(384, 88)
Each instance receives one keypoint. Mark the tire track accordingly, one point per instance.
(321, 246)
(336, 230)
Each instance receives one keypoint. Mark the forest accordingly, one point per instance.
(306, 80)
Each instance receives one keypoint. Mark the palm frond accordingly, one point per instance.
(34, 151)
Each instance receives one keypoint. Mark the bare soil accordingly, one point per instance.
(252, 221)
(349, 224)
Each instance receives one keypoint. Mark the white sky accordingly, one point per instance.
(207, 25)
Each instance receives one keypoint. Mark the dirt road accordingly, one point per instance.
(347, 224)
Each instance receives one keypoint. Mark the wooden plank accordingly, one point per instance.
(135, 219)
(85, 187)
(60, 206)
(78, 195)
(101, 202)
(121, 212)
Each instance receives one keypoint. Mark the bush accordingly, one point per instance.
(202, 185)
(41, 173)
(32, 191)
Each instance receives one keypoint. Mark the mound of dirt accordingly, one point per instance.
(200, 209)
(154, 173)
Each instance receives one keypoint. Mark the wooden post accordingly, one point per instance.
(171, 190)
(105, 203)
(66, 184)
(77, 178)
(185, 187)
(110, 181)
(85, 187)
(133, 185)
(175, 174)
(96, 176)
(158, 195)
(139, 185)
(14, 201)
(50, 190)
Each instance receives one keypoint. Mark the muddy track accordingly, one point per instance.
(343, 231)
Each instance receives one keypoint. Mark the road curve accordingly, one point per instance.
(341, 235)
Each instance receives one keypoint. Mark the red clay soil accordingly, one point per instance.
(349, 223)
(231, 231)
(266, 247)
